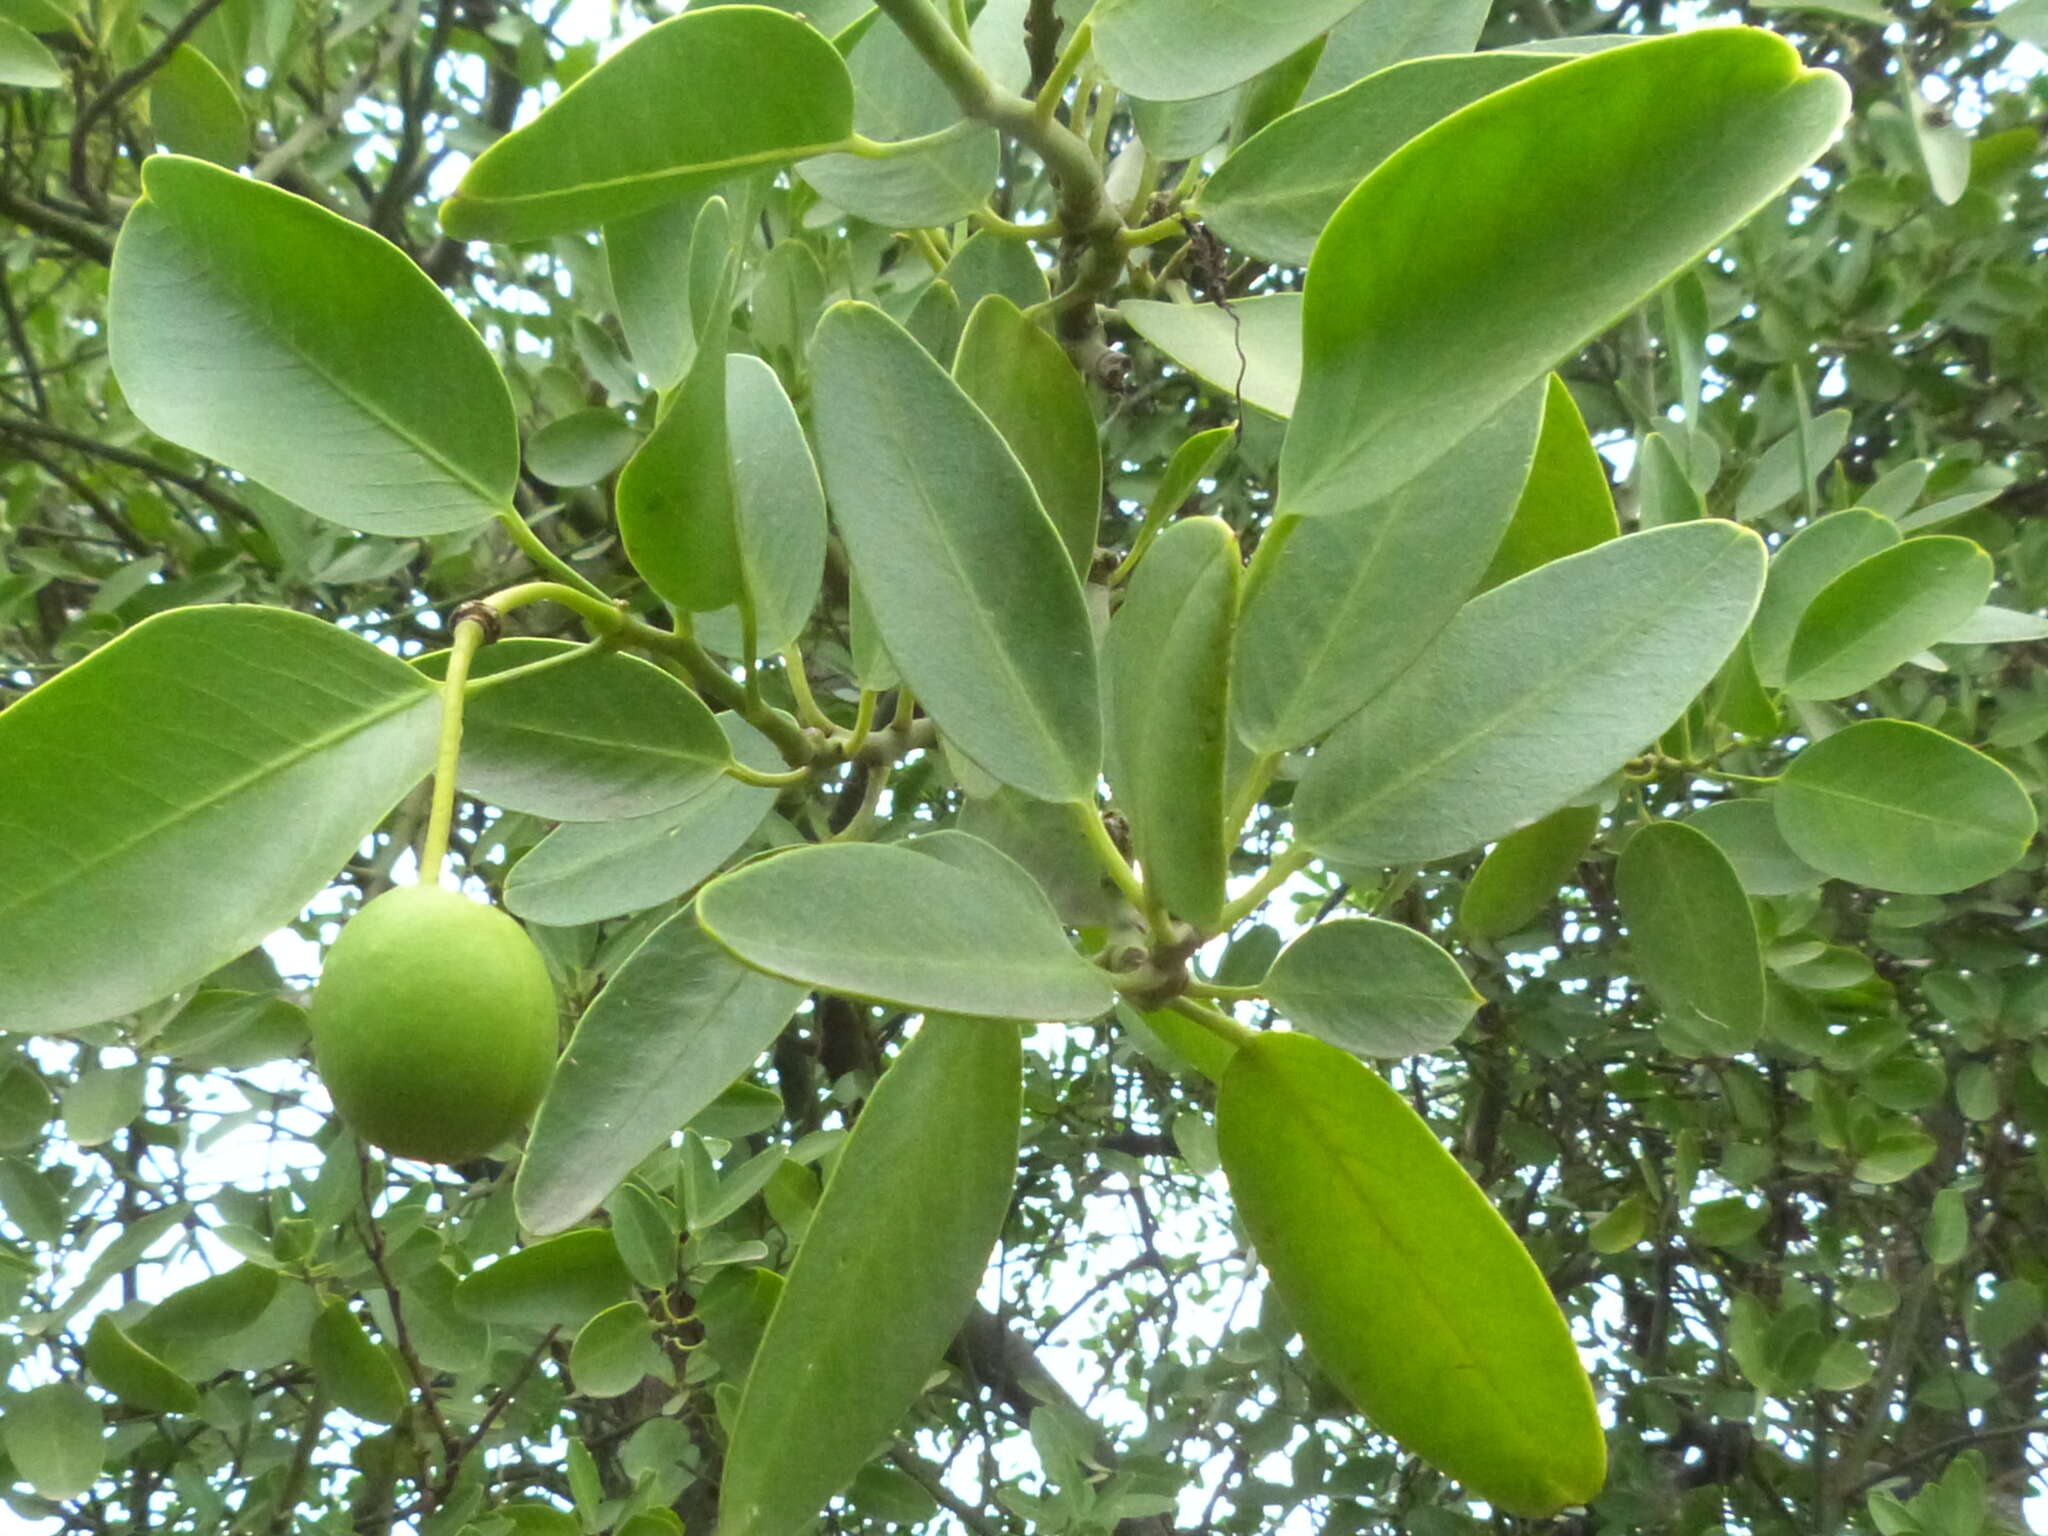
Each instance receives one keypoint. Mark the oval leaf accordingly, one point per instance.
(1693, 939)
(562, 1282)
(1409, 1289)
(1576, 193)
(678, 1023)
(1250, 352)
(691, 102)
(1174, 50)
(968, 582)
(307, 353)
(1521, 875)
(1167, 666)
(615, 1351)
(1894, 805)
(941, 922)
(910, 1213)
(1377, 988)
(184, 792)
(54, 1438)
(1883, 611)
(1566, 504)
(1801, 570)
(133, 1374)
(1535, 691)
(352, 1371)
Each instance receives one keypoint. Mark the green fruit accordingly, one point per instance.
(434, 1025)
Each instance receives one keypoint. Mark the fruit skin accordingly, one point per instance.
(434, 1025)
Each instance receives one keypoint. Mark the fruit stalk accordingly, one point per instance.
(469, 634)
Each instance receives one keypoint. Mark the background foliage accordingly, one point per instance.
(1809, 1274)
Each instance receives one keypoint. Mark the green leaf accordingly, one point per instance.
(24, 61)
(1410, 1291)
(1376, 988)
(1782, 473)
(1166, 665)
(1894, 805)
(561, 1282)
(1383, 33)
(1275, 193)
(599, 738)
(986, 263)
(647, 257)
(691, 102)
(1883, 611)
(1801, 571)
(675, 496)
(352, 1370)
(1024, 384)
(678, 1023)
(1047, 840)
(897, 96)
(1534, 692)
(1337, 607)
(969, 583)
(1249, 352)
(778, 512)
(584, 872)
(1948, 1227)
(941, 922)
(886, 1273)
(1174, 50)
(307, 353)
(193, 110)
(1621, 1228)
(1747, 832)
(1692, 938)
(53, 1436)
(101, 1101)
(581, 448)
(208, 1309)
(133, 1374)
(1566, 504)
(1511, 232)
(1520, 877)
(254, 749)
(1664, 491)
(615, 1351)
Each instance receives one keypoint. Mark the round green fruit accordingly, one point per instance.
(434, 1025)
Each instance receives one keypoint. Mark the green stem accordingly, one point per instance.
(1278, 873)
(1063, 71)
(1153, 233)
(597, 612)
(754, 776)
(800, 687)
(897, 149)
(1219, 1024)
(996, 224)
(1225, 994)
(519, 674)
(469, 634)
(863, 723)
(1110, 857)
(1256, 779)
(863, 819)
(530, 543)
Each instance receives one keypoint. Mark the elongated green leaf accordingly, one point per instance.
(1567, 504)
(1250, 351)
(1791, 463)
(943, 921)
(1521, 875)
(675, 495)
(562, 1282)
(986, 263)
(1337, 607)
(24, 61)
(1801, 569)
(1167, 666)
(1664, 492)
(1747, 832)
(1503, 237)
(671, 1031)
(1897, 806)
(1173, 50)
(194, 111)
(1884, 610)
(208, 1309)
(1023, 382)
(53, 1436)
(581, 448)
(1382, 33)
(1693, 939)
(586, 871)
(897, 96)
(647, 256)
(1409, 1289)
(1047, 841)
(969, 583)
(182, 793)
(598, 738)
(1532, 693)
(690, 103)
(133, 1374)
(306, 352)
(1377, 988)
(615, 1351)
(887, 1271)
(778, 512)
(353, 1372)
(1275, 193)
